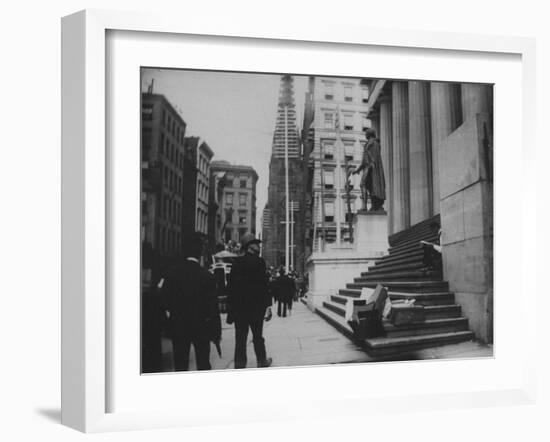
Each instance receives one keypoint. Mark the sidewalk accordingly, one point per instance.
(304, 338)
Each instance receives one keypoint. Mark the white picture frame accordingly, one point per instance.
(85, 201)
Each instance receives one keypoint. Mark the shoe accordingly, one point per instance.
(266, 363)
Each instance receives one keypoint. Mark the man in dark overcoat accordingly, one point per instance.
(249, 302)
(284, 290)
(193, 305)
(372, 180)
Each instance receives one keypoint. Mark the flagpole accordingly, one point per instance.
(338, 178)
(287, 208)
(292, 234)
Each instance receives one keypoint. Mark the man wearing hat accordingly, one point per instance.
(372, 181)
(249, 302)
(193, 305)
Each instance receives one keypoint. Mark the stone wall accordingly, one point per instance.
(466, 191)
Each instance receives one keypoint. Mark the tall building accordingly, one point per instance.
(237, 205)
(286, 145)
(204, 156)
(215, 212)
(162, 171)
(190, 171)
(334, 118)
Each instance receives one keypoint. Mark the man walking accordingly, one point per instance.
(284, 293)
(249, 301)
(193, 306)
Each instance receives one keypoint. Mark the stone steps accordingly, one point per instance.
(412, 275)
(403, 286)
(412, 251)
(427, 327)
(400, 273)
(388, 260)
(399, 237)
(434, 298)
(437, 309)
(391, 346)
(374, 270)
(412, 243)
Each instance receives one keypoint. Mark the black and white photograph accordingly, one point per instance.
(300, 220)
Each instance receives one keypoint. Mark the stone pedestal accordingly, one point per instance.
(331, 270)
(370, 233)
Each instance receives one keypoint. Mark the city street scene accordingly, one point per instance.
(294, 220)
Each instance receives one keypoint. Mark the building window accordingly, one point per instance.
(329, 91)
(348, 93)
(365, 122)
(349, 151)
(242, 232)
(164, 117)
(328, 151)
(348, 122)
(229, 199)
(161, 143)
(229, 215)
(328, 176)
(329, 120)
(365, 94)
(242, 199)
(243, 184)
(147, 112)
(242, 216)
(329, 212)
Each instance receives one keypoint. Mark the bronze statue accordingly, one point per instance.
(373, 183)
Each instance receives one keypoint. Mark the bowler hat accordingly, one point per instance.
(248, 239)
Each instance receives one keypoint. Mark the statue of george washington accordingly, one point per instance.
(372, 181)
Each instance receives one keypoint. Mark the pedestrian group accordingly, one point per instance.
(192, 309)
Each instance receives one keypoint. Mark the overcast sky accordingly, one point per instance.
(233, 112)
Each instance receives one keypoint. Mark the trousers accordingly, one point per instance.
(255, 323)
(182, 346)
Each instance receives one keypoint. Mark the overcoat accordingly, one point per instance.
(247, 291)
(373, 171)
(192, 301)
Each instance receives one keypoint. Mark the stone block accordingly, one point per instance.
(478, 210)
(331, 271)
(452, 219)
(468, 265)
(478, 308)
(371, 233)
(459, 159)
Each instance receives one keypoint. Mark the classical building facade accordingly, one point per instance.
(236, 200)
(162, 171)
(437, 148)
(334, 118)
(286, 152)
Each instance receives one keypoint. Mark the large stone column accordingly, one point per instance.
(374, 117)
(445, 118)
(475, 99)
(420, 151)
(400, 132)
(387, 154)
